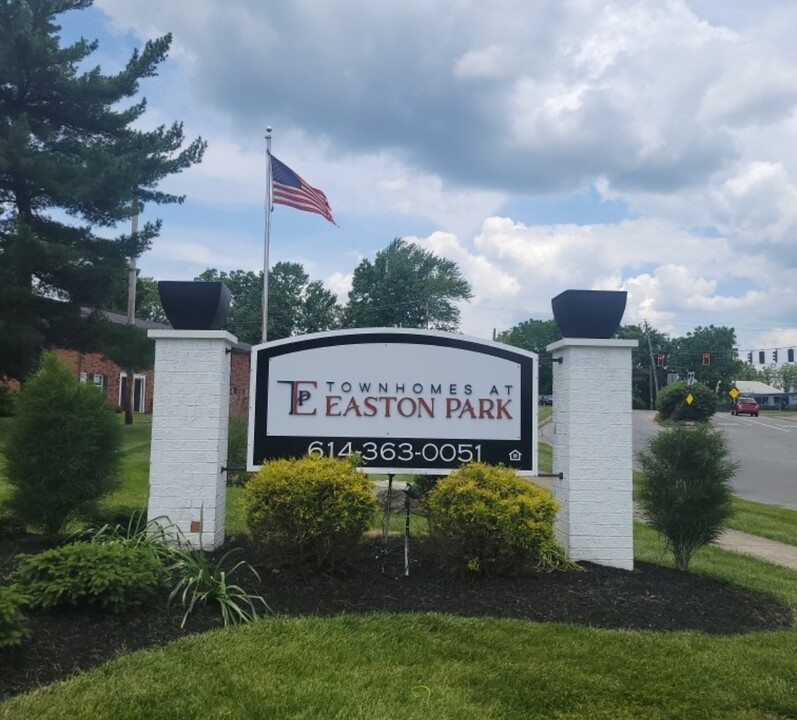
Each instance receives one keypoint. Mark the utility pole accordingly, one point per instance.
(131, 320)
(654, 385)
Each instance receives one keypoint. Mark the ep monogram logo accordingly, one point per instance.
(298, 396)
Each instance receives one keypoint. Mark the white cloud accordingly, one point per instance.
(340, 284)
(452, 125)
(672, 277)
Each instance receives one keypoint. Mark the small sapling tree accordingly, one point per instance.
(63, 449)
(686, 492)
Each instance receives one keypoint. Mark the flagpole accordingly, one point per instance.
(267, 236)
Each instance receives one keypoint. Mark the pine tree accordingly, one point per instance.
(72, 166)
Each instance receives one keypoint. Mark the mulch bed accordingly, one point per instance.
(649, 598)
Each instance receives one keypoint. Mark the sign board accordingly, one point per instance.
(410, 401)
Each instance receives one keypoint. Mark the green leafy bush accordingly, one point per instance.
(686, 491)
(13, 627)
(308, 512)
(492, 521)
(114, 576)
(671, 402)
(63, 448)
(8, 400)
(195, 579)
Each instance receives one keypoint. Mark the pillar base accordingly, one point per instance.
(189, 433)
(593, 449)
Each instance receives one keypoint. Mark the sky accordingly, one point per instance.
(543, 145)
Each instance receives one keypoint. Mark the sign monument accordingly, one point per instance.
(410, 401)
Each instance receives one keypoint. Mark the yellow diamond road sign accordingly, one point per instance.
(734, 393)
(690, 399)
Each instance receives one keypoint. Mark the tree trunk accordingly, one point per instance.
(682, 557)
(131, 384)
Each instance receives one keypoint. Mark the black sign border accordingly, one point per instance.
(260, 384)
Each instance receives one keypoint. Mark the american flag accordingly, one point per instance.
(289, 189)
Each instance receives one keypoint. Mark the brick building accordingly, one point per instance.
(96, 368)
(101, 371)
(239, 377)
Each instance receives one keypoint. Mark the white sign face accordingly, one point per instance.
(408, 401)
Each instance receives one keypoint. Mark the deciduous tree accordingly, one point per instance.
(651, 361)
(296, 305)
(148, 301)
(718, 344)
(535, 335)
(406, 286)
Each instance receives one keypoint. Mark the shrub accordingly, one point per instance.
(8, 399)
(114, 576)
(308, 512)
(13, 627)
(63, 448)
(686, 493)
(671, 402)
(195, 579)
(492, 521)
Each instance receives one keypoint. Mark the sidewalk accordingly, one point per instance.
(760, 548)
(744, 544)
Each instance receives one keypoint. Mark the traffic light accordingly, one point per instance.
(660, 360)
(707, 358)
(774, 356)
(750, 357)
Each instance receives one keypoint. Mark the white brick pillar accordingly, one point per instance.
(593, 449)
(189, 432)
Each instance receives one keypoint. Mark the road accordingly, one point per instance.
(765, 448)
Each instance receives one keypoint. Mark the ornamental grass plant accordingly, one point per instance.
(196, 578)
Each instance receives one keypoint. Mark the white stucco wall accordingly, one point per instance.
(593, 449)
(189, 431)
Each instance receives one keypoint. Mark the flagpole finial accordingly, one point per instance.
(268, 130)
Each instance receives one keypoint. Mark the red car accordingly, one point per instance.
(746, 406)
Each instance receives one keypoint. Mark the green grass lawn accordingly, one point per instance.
(769, 521)
(132, 495)
(433, 666)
